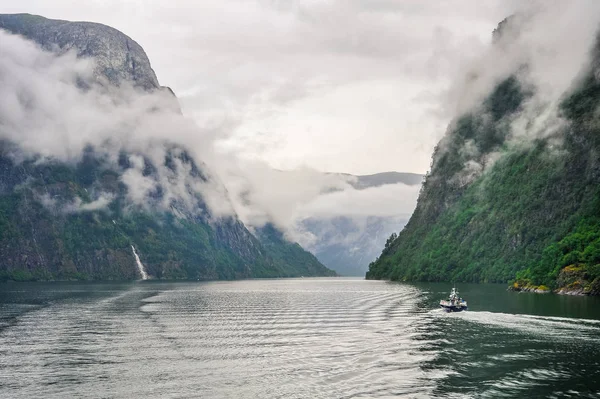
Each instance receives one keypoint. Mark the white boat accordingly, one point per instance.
(454, 303)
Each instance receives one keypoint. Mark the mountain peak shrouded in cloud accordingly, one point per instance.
(512, 193)
(163, 161)
(99, 166)
(278, 81)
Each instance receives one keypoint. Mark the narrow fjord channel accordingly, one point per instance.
(293, 338)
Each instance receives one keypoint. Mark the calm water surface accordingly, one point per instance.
(296, 338)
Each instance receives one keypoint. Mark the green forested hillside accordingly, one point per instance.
(294, 260)
(532, 216)
(46, 231)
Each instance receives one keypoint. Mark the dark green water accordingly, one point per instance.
(295, 338)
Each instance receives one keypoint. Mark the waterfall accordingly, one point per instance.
(140, 265)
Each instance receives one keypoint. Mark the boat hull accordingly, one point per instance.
(454, 303)
(451, 308)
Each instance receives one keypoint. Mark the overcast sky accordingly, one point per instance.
(347, 86)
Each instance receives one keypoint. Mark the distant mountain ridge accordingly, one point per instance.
(347, 244)
(385, 178)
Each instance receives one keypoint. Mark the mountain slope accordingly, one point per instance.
(79, 213)
(284, 252)
(497, 208)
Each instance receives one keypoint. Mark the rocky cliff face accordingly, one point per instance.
(118, 58)
(83, 217)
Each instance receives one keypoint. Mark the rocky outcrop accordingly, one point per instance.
(524, 286)
(576, 280)
(572, 280)
(118, 58)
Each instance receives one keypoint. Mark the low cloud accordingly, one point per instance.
(76, 205)
(308, 76)
(351, 217)
(48, 112)
(388, 200)
(100, 203)
(287, 199)
(261, 194)
(545, 44)
(49, 115)
(547, 47)
(45, 110)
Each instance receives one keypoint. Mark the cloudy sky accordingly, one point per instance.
(347, 86)
(303, 86)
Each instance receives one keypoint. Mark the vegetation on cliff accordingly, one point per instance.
(49, 231)
(498, 210)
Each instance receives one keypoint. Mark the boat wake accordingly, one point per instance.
(492, 355)
(559, 327)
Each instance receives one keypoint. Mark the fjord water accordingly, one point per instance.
(293, 338)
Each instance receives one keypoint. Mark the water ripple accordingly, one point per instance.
(296, 338)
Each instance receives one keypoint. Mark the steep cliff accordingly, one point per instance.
(497, 206)
(80, 212)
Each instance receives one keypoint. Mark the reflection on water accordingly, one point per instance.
(294, 338)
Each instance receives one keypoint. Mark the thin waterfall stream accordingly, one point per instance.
(140, 265)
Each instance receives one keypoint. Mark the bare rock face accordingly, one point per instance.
(118, 57)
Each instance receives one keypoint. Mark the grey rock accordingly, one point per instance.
(118, 57)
